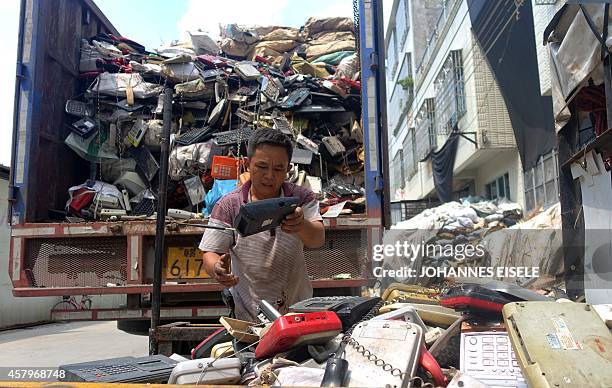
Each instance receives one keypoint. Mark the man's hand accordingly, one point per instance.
(223, 273)
(294, 222)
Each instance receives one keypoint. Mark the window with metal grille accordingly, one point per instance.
(409, 148)
(402, 21)
(402, 171)
(542, 182)
(395, 173)
(405, 80)
(402, 95)
(450, 93)
(425, 129)
(459, 82)
(393, 108)
(392, 54)
(499, 188)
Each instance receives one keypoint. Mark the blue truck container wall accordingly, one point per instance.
(42, 168)
(374, 116)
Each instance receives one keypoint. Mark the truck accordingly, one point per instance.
(59, 258)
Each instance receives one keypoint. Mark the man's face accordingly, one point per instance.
(268, 168)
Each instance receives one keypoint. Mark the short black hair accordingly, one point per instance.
(269, 136)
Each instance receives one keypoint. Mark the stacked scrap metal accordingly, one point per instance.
(302, 82)
(445, 230)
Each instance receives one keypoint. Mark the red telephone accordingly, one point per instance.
(290, 331)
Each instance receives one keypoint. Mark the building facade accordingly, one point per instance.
(439, 83)
(542, 180)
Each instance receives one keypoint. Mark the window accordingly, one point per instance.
(409, 148)
(402, 22)
(499, 188)
(431, 114)
(402, 174)
(586, 128)
(405, 80)
(426, 138)
(529, 193)
(542, 183)
(395, 173)
(414, 152)
(459, 82)
(392, 54)
(450, 93)
(393, 108)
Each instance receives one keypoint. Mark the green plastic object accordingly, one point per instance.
(333, 58)
(560, 344)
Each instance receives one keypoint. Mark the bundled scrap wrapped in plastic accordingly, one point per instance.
(496, 226)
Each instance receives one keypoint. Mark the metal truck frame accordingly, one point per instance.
(60, 259)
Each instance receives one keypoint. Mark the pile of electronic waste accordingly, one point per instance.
(304, 83)
(495, 231)
(472, 334)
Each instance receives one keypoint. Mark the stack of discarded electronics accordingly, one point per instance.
(476, 334)
(304, 83)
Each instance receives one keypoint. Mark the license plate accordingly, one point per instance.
(185, 263)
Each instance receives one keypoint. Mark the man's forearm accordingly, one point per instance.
(312, 234)
(210, 259)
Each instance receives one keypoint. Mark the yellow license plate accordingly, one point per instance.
(185, 263)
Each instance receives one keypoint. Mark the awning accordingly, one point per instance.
(575, 48)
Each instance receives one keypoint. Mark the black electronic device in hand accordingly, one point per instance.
(262, 215)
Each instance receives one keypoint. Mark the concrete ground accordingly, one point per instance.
(55, 344)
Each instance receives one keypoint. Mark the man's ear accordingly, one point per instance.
(247, 163)
(289, 167)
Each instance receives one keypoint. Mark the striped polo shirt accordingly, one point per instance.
(270, 264)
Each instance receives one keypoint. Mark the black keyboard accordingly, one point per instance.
(146, 207)
(233, 137)
(194, 136)
(282, 124)
(295, 99)
(151, 369)
(248, 90)
(146, 162)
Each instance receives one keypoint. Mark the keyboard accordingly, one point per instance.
(78, 108)
(247, 90)
(194, 136)
(146, 162)
(282, 124)
(245, 115)
(295, 99)
(270, 89)
(151, 369)
(209, 75)
(146, 207)
(232, 137)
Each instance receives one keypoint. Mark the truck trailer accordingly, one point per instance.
(51, 256)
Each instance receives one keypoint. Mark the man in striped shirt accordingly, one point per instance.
(268, 265)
